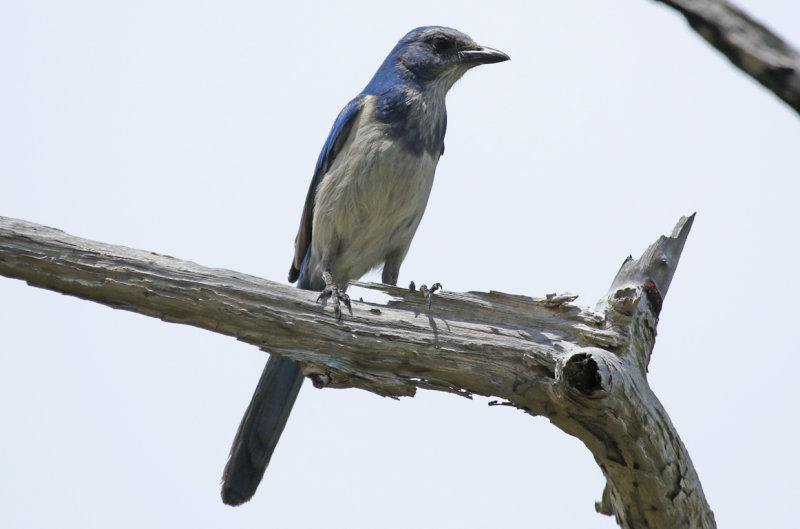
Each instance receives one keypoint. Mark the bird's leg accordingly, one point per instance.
(391, 268)
(425, 291)
(333, 292)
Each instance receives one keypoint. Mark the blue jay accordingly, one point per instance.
(366, 199)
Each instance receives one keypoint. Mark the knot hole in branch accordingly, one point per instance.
(582, 373)
(654, 297)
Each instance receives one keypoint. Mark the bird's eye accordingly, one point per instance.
(442, 44)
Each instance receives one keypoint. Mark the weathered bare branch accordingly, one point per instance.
(584, 369)
(750, 45)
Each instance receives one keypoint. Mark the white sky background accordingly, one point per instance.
(192, 129)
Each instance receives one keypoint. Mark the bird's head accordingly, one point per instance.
(434, 55)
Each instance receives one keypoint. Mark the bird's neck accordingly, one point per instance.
(416, 117)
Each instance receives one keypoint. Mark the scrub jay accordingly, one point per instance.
(369, 191)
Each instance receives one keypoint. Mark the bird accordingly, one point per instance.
(367, 196)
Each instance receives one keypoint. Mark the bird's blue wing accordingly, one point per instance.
(333, 145)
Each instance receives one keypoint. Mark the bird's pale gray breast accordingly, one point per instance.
(371, 200)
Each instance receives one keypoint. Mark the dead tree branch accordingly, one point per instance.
(584, 369)
(749, 45)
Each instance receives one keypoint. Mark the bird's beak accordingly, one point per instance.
(483, 55)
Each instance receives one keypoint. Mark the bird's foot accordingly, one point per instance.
(425, 291)
(337, 297)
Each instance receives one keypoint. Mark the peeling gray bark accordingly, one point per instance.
(749, 45)
(584, 369)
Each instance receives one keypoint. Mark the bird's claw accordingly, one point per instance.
(428, 293)
(425, 291)
(337, 297)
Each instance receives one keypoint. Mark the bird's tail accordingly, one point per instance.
(260, 429)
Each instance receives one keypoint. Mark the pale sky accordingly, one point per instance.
(192, 128)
